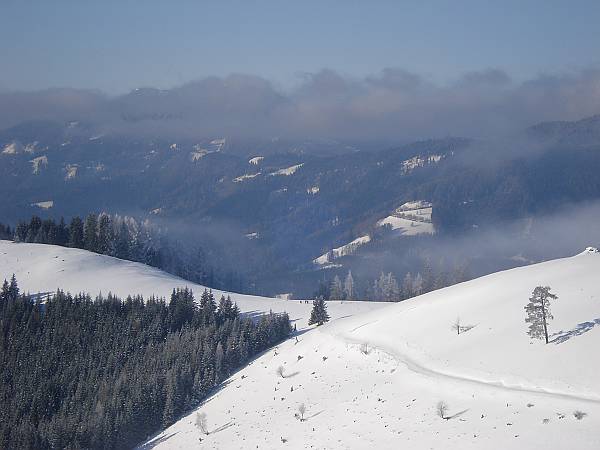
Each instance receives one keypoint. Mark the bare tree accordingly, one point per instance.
(201, 422)
(281, 371)
(301, 411)
(364, 348)
(456, 325)
(442, 409)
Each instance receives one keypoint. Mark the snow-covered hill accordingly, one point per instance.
(373, 376)
(45, 268)
(374, 380)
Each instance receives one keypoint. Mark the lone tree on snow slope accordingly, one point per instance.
(538, 312)
(319, 314)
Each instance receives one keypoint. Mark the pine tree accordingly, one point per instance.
(336, 291)
(207, 307)
(418, 284)
(428, 277)
(349, 293)
(34, 227)
(123, 244)
(538, 312)
(21, 232)
(4, 293)
(62, 233)
(90, 233)
(319, 314)
(76, 233)
(13, 288)
(104, 234)
(407, 286)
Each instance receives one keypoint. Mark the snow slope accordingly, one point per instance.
(502, 390)
(45, 268)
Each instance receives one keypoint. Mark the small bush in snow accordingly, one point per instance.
(281, 371)
(442, 409)
(301, 411)
(579, 415)
(201, 422)
(364, 348)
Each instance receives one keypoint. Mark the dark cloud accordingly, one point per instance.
(394, 105)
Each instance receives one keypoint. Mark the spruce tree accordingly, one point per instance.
(349, 292)
(90, 233)
(104, 234)
(319, 314)
(336, 291)
(13, 288)
(76, 233)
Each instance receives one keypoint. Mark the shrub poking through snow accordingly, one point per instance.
(364, 348)
(442, 409)
(281, 371)
(301, 411)
(579, 415)
(201, 422)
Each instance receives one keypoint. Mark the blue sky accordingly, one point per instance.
(119, 45)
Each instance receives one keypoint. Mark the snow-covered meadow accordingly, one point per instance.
(374, 375)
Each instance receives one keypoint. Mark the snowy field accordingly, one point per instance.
(501, 389)
(373, 376)
(43, 268)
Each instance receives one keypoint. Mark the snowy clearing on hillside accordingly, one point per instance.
(218, 144)
(41, 268)
(287, 171)
(246, 176)
(31, 147)
(411, 218)
(11, 149)
(406, 226)
(44, 205)
(256, 160)
(71, 171)
(313, 190)
(418, 161)
(38, 163)
(375, 380)
(198, 154)
(344, 250)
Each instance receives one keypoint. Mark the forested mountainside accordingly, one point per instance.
(79, 372)
(286, 208)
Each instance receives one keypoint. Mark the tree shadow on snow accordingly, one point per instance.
(583, 327)
(458, 414)
(155, 442)
(222, 427)
(314, 415)
(291, 375)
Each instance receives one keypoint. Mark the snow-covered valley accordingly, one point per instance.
(374, 375)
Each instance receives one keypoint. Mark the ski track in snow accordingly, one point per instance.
(414, 366)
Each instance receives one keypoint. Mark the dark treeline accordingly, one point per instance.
(106, 373)
(5, 232)
(126, 238)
